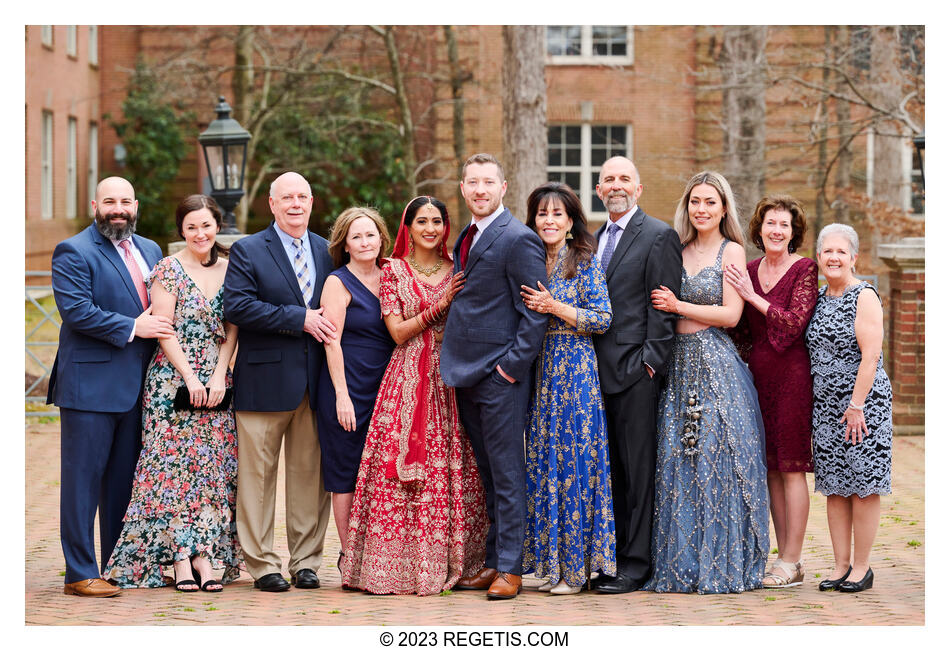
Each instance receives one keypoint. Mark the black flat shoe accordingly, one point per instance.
(858, 586)
(832, 584)
(619, 585)
(272, 583)
(305, 579)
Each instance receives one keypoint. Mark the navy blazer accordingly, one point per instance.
(97, 368)
(647, 255)
(488, 322)
(276, 360)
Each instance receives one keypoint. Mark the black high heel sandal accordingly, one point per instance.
(858, 586)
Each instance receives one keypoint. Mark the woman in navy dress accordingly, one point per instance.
(780, 290)
(711, 518)
(570, 523)
(357, 359)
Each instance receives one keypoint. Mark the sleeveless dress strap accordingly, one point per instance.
(722, 247)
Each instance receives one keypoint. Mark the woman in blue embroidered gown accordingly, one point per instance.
(570, 525)
(711, 519)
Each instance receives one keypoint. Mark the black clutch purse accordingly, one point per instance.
(183, 401)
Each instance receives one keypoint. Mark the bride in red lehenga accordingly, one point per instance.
(418, 521)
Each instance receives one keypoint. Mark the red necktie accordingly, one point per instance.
(135, 272)
(467, 244)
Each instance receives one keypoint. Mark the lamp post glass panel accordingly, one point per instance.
(225, 148)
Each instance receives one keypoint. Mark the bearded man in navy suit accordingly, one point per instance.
(105, 344)
(491, 340)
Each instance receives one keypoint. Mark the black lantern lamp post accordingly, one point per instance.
(919, 146)
(225, 148)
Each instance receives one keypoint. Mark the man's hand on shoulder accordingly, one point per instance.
(149, 326)
(319, 326)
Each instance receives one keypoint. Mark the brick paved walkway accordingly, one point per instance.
(897, 596)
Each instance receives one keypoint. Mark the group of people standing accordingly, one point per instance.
(619, 409)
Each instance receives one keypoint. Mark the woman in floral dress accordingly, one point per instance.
(418, 521)
(570, 522)
(183, 495)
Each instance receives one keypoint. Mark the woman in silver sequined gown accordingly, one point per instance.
(711, 518)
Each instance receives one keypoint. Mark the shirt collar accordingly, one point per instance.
(623, 221)
(485, 222)
(288, 239)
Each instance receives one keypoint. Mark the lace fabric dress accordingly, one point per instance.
(711, 518)
(184, 490)
(774, 346)
(570, 521)
(418, 521)
(843, 468)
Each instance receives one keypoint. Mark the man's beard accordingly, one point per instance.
(114, 231)
(619, 204)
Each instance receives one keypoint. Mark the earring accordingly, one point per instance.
(569, 236)
(412, 249)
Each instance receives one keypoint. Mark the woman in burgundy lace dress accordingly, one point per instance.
(780, 290)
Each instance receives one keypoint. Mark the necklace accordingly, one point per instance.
(425, 271)
(776, 273)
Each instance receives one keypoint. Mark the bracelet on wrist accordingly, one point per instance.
(855, 407)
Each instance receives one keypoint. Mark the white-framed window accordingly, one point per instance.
(72, 180)
(589, 44)
(92, 174)
(46, 167)
(46, 35)
(71, 40)
(576, 152)
(93, 45)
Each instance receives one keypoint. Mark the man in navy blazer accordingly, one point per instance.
(273, 281)
(105, 344)
(491, 340)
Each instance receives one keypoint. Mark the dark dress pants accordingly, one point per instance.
(98, 454)
(494, 413)
(631, 438)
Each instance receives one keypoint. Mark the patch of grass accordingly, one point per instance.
(445, 593)
(188, 609)
(210, 608)
(913, 543)
(896, 518)
(62, 573)
(808, 606)
(912, 523)
(160, 615)
(301, 612)
(774, 550)
(817, 575)
(335, 611)
(770, 598)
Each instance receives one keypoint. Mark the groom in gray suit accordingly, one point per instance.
(490, 342)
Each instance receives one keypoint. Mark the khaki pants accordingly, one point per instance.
(308, 506)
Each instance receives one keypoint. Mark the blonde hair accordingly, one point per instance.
(341, 227)
(728, 226)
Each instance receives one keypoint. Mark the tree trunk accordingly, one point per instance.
(405, 113)
(742, 63)
(822, 133)
(524, 125)
(242, 85)
(458, 77)
(843, 119)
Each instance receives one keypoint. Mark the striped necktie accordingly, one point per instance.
(300, 269)
(612, 231)
(137, 279)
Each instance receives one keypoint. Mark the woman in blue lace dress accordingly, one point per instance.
(570, 524)
(851, 422)
(711, 518)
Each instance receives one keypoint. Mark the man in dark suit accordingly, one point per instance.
(638, 254)
(490, 342)
(274, 279)
(105, 344)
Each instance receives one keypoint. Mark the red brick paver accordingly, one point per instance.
(897, 596)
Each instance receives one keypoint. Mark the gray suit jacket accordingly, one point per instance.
(648, 255)
(488, 322)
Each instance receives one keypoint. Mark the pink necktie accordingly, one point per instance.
(135, 272)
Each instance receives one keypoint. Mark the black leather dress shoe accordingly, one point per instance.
(620, 584)
(305, 579)
(832, 584)
(272, 583)
(600, 580)
(858, 586)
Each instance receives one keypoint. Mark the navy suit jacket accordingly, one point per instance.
(276, 360)
(488, 322)
(97, 368)
(647, 255)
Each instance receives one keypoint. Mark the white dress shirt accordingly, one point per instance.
(622, 223)
(484, 223)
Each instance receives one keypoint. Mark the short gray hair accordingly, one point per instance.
(839, 229)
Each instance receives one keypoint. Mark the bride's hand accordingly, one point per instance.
(665, 300)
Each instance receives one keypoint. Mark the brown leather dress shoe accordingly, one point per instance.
(92, 588)
(479, 581)
(505, 586)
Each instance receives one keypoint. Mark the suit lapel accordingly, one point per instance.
(630, 233)
(486, 238)
(456, 263)
(108, 250)
(322, 263)
(140, 243)
(277, 251)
